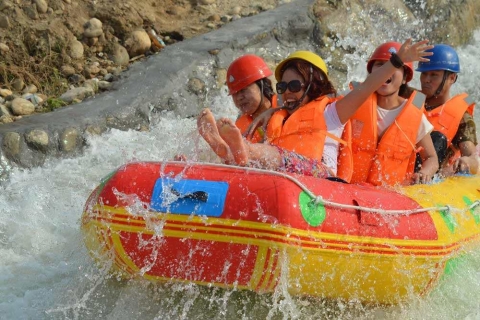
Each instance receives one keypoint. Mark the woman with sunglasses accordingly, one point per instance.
(305, 132)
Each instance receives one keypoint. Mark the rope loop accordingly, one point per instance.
(474, 204)
(447, 209)
(318, 199)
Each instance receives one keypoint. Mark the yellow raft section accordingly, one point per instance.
(369, 269)
(389, 271)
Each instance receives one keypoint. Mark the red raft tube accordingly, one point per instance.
(249, 229)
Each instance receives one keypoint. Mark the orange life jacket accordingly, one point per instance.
(447, 117)
(244, 121)
(392, 159)
(305, 131)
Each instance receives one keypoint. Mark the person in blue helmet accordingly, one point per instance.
(454, 134)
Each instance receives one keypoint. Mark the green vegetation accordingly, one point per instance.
(53, 103)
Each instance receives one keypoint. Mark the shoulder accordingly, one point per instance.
(467, 123)
(461, 99)
(320, 103)
(331, 117)
(467, 130)
(467, 119)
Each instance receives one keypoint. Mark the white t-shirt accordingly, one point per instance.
(386, 117)
(334, 127)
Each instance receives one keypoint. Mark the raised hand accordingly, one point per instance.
(461, 165)
(420, 177)
(415, 52)
(261, 120)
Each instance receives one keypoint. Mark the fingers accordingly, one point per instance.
(252, 127)
(415, 52)
(406, 44)
(455, 165)
(260, 121)
(420, 48)
(461, 166)
(423, 53)
(422, 43)
(416, 178)
(421, 177)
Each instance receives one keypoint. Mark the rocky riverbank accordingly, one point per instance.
(59, 52)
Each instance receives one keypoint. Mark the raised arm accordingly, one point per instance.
(408, 52)
(261, 120)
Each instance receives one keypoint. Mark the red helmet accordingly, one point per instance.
(246, 70)
(383, 53)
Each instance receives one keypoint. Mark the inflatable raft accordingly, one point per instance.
(233, 227)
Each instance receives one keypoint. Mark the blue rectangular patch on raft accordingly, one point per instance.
(186, 196)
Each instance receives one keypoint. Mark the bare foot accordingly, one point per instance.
(233, 137)
(208, 130)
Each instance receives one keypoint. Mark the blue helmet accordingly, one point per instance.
(444, 58)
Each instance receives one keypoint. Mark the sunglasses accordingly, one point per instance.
(293, 86)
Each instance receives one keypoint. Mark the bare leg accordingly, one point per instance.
(233, 137)
(265, 156)
(258, 154)
(208, 130)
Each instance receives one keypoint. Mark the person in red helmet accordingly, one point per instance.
(251, 91)
(388, 130)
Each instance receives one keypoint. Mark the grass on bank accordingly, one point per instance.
(36, 62)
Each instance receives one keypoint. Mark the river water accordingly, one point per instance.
(46, 272)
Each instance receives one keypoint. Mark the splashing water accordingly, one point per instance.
(46, 272)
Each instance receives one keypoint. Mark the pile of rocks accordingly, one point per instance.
(94, 54)
(86, 76)
(14, 107)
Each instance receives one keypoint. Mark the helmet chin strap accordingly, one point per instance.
(299, 101)
(268, 113)
(261, 95)
(440, 87)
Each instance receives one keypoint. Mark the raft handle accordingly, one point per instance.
(189, 196)
(196, 195)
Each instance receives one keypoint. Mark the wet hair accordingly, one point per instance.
(405, 91)
(266, 86)
(448, 72)
(320, 85)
